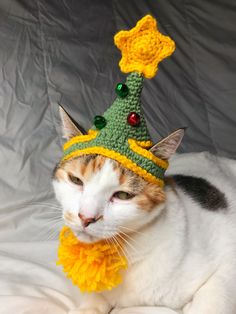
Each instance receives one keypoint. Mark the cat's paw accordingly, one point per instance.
(86, 311)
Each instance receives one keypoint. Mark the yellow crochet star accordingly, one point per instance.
(143, 47)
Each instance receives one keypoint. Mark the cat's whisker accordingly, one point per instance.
(112, 242)
(130, 238)
(55, 218)
(128, 243)
(132, 230)
(53, 224)
(52, 233)
(49, 234)
(107, 242)
(53, 209)
(115, 241)
(46, 207)
(52, 214)
(129, 235)
(56, 222)
(116, 248)
(124, 249)
(45, 236)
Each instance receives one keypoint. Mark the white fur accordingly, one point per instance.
(185, 260)
(96, 199)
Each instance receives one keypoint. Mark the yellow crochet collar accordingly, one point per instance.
(92, 267)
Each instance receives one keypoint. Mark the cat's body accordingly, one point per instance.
(180, 241)
(190, 250)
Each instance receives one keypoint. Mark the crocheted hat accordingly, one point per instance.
(121, 133)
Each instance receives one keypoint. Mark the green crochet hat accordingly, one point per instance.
(121, 133)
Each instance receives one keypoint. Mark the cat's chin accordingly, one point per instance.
(85, 237)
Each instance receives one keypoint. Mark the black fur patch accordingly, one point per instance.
(202, 191)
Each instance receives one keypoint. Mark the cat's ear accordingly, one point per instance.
(69, 128)
(168, 146)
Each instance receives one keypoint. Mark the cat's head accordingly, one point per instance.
(100, 198)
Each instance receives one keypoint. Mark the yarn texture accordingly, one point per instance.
(143, 47)
(120, 134)
(121, 141)
(115, 135)
(92, 267)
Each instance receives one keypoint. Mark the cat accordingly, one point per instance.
(180, 240)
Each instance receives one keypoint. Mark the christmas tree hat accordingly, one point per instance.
(121, 133)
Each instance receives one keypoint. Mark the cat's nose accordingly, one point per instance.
(87, 220)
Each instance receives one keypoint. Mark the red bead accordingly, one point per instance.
(133, 119)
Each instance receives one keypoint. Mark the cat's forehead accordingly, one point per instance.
(92, 166)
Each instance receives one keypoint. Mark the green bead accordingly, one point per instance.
(100, 122)
(122, 90)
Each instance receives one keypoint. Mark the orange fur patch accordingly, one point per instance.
(147, 195)
(83, 167)
(129, 181)
(99, 162)
(150, 197)
(122, 179)
(60, 174)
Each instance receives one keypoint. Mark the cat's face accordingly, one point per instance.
(101, 199)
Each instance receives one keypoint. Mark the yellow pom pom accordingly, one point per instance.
(143, 47)
(91, 266)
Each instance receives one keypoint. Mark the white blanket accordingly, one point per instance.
(30, 280)
(31, 283)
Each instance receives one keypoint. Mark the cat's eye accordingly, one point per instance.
(75, 179)
(121, 195)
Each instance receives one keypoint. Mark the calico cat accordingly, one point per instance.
(180, 240)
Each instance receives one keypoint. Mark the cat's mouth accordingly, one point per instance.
(84, 236)
(91, 234)
(81, 234)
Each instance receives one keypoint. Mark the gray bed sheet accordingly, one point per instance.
(61, 51)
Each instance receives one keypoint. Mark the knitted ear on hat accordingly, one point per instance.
(121, 133)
